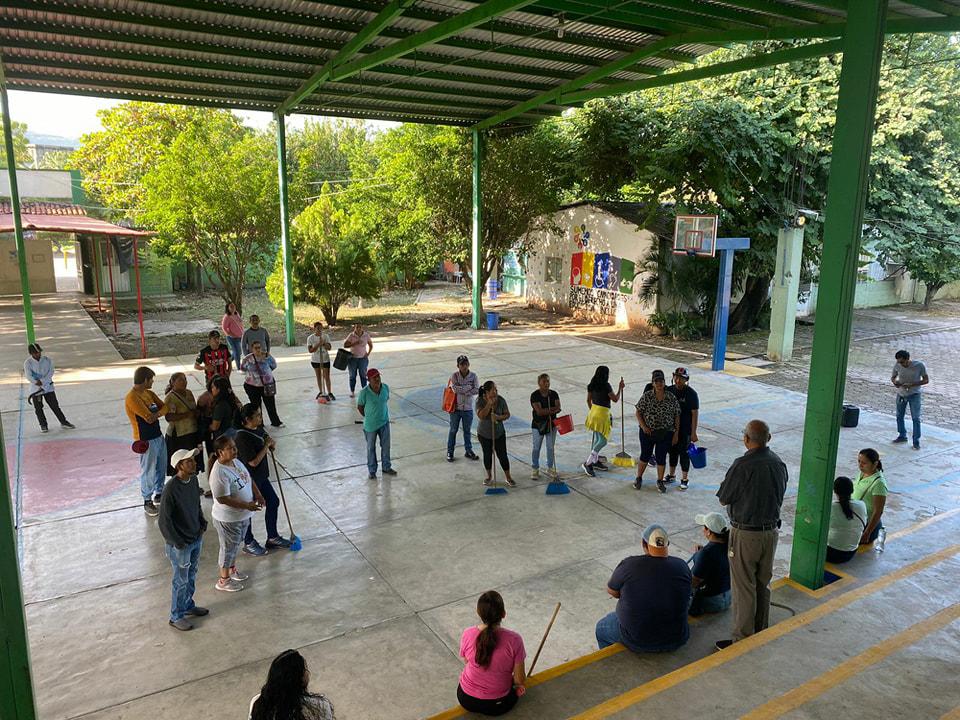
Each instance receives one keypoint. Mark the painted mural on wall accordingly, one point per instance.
(597, 280)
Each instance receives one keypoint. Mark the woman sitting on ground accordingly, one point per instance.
(492, 410)
(493, 677)
(711, 567)
(848, 519)
(285, 695)
(871, 487)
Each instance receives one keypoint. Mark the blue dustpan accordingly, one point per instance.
(557, 488)
(495, 491)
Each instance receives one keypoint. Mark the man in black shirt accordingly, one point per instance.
(214, 359)
(653, 594)
(752, 492)
(689, 419)
(182, 524)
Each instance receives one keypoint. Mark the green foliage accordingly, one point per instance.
(212, 197)
(333, 261)
(323, 151)
(21, 155)
(679, 325)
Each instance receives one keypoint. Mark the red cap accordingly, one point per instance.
(372, 373)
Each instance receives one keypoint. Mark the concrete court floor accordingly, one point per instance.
(390, 570)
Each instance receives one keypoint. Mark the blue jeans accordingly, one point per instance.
(184, 562)
(551, 438)
(701, 604)
(382, 432)
(914, 402)
(153, 468)
(236, 349)
(608, 633)
(458, 418)
(270, 513)
(358, 365)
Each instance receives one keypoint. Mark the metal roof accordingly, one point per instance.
(438, 61)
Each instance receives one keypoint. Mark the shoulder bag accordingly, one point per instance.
(449, 398)
(269, 388)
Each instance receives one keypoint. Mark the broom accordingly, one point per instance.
(622, 458)
(545, 633)
(295, 542)
(494, 489)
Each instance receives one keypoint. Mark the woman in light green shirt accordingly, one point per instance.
(871, 487)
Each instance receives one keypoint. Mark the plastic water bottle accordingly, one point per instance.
(881, 539)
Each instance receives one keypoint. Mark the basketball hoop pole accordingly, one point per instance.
(726, 247)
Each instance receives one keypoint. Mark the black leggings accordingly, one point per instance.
(500, 445)
(656, 444)
(255, 393)
(51, 398)
(840, 556)
(679, 451)
(500, 706)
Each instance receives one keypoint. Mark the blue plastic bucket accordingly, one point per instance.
(492, 287)
(493, 321)
(698, 456)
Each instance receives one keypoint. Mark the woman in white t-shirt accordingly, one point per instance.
(848, 518)
(285, 695)
(235, 499)
(318, 345)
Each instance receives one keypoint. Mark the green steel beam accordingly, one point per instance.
(15, 206)
(778, 57)
(464, 21)
(477, 225)
(285, 227)
(937, 6)
(662, 23)
(357, 43)
(847, 191)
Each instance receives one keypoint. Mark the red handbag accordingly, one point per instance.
(449, 399)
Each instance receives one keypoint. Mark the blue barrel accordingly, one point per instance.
(493, 321)
(492, 287)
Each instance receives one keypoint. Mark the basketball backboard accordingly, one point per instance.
(695, 235)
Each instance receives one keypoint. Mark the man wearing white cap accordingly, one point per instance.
(711, 567)
(182, 524)
(653, 594)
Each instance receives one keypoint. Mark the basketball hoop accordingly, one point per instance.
(695, 235)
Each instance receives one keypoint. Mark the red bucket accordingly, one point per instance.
(564, 424)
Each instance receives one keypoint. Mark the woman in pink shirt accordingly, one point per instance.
(232, 326)
(493, 677)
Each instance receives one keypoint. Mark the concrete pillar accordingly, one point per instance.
(785, 288)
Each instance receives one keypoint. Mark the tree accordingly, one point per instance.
(332, 258)
(213, 199)
(322, 151)
(21, 155)
(429, 170)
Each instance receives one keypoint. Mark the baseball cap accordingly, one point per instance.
(713, 521)
(462, 359)
(181, 455)
(372, 373)
(213, 333)
(656, 539)
(657, 375)
(682, 372)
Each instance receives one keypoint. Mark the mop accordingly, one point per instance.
(546, 632)
(622, 458)
(493, 489)
(295, 543)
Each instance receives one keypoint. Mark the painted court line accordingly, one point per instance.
(923, 523)
(665, 682)
(855, 665)
(952, 714)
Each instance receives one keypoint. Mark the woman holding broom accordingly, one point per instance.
(492, 410)
(599, 397)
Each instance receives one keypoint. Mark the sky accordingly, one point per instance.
(71, 116)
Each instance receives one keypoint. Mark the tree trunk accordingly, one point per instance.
(744, 317)
(330, 313)
(932, 290)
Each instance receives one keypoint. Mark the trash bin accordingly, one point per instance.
(492, 287)
(850, 416)
(493, 321)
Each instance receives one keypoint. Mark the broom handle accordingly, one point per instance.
(547, 632)
(623, 445)
(282, 497)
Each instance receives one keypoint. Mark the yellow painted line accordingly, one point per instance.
(665, 682)
(923, 523)
(548, 674)
(838, 674)
(736, 369)
(845, 579)
(951, 714)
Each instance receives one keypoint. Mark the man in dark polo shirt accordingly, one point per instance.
(752, 492)
(653, 594)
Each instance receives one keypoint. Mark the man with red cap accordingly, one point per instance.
(372, 404)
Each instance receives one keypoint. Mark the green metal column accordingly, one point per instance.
(15, 206)
(285, 226)
(477, 226)
(16, 688)
(846, 195)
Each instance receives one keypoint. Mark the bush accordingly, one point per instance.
(679, 325)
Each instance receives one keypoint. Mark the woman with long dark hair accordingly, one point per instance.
(285, 695)
(492, 410)
(226, 408)
(848, 519)
(493, 676)
(871, 487)
(600, 395)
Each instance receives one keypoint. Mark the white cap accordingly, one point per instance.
(713, 521)
(656, 539)
(181, 455)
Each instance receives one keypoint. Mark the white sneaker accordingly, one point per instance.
(228, 585)
(235, 574)
(535, 474)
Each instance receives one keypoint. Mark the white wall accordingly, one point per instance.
(46, 184)
(608, 234)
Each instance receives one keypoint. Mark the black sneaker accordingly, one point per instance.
(44, 429)
(638, 483)
(916, 445)
(684, 483)
(670, 479)
(68, 425)
(471, 455)
(899, 439)
(449, 457)
(156, 499)
(150, 509)
(662, 487)
(600, 466)
(723, 644)
(391, 471)
(331, 396)
(197, 611)
(588, 469)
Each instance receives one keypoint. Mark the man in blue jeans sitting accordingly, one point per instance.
(465, 386)
(908, 377)
(372, 404)
(653, 594)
